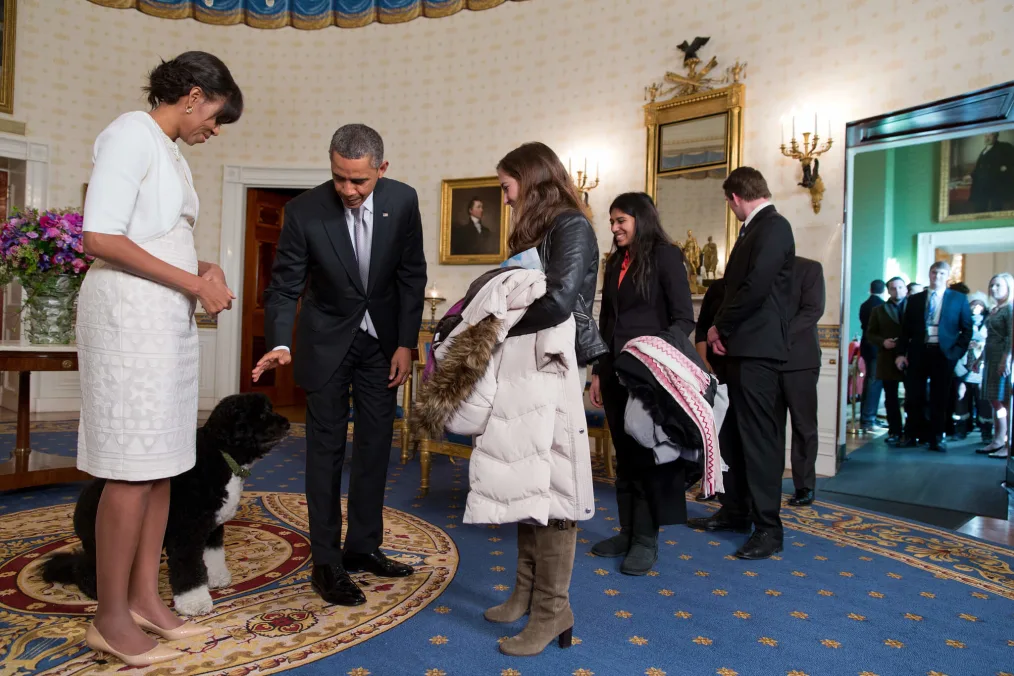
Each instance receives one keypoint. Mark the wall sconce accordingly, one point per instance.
(807, 154)
(581, 180)
(434, 298)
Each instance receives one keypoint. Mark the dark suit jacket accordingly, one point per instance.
(806, 307)
(625, 314)
(467, 241)
(754, 318)
(712, 301)
(316, 260)
(866, 309)
(954, 329)
(885, 322)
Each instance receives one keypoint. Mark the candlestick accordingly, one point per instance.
(793, 127)
(585, 166)
(815, 124)
(596, 172)
(783, 133)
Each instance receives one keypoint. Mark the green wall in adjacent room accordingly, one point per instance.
(896, 196)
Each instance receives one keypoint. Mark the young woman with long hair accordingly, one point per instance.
(645, 292)
(549, 216)
(996, 381)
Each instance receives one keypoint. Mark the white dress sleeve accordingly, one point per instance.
(121, 157)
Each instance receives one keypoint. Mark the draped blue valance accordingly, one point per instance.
(303, 14)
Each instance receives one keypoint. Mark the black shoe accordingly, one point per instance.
(761, 545)
(938, 446)
(718, 522)
(909, 442)
(617, 545)
(376, 563)
(700, 497)
(803, 497)
(893, 439)
(642, 556)
(335, 586)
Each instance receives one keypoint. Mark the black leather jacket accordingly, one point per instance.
(570, 257)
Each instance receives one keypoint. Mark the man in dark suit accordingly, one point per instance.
(993, 176)
(352, 249)
(799, 374)
(473, 238)
(751, 330)
(935, 333)
(872, 386)
(884, 330)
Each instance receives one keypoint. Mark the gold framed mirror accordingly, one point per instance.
(694, 140)
(8, 22)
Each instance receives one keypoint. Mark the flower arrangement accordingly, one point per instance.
(44, 251)
(37, 248)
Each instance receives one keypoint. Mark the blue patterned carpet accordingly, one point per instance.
(854, 593)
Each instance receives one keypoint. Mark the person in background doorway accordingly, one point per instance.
(872, 386)
(996, 381)
(883, 330)
(935, 334)
(800, 373)
(969, 407)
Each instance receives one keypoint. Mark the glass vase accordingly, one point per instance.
(51, 311)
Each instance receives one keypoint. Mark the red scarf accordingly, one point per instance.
(624, 266)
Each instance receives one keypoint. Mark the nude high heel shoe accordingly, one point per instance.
(183, 631)
(160, 653)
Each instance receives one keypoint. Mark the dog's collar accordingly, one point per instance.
(235, 467)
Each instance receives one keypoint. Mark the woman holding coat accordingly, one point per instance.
(645, 292)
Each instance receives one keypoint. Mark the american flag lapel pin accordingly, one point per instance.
(384, 214)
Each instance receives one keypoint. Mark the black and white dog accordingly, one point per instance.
(242, 429)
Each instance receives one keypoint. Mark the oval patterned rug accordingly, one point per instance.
(267, 620)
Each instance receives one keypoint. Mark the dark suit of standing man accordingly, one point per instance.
(935, 333)
(800, 373)
(352, 249)
(872, 385)
(751, 330)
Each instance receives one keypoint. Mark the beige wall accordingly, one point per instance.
(980, 268)
(452, 95)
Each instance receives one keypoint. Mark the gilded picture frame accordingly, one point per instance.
(963, 162)
(691, 138)
(9, 21)
(473, 222)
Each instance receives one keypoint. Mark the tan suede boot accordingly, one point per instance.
(520, 599)
(550, 615)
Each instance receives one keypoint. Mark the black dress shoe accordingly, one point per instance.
(803, 497)
(893, 439)
(718, 522)
(335, 586)
(375, 562)
(700, 497)
(761, 545)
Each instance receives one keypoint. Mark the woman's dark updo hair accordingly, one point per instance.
(171, 80)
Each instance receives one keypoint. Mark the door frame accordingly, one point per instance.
(236, 179)
(978, 112)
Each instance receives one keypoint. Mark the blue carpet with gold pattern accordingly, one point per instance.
(853, 593)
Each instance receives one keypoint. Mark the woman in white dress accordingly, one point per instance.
(137, 341)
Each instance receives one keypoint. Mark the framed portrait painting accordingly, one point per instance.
(8, 22)
(977, 177)
(473, 222)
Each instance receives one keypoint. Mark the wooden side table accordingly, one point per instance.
(26, 468)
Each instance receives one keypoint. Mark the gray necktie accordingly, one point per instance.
(363, 244)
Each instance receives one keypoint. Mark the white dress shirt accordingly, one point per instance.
(753, 213)
(367, 207)
(477, 224)
(933, 322)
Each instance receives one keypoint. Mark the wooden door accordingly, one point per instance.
(265, 215)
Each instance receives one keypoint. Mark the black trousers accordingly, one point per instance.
(753, 444)
(660, 485)
(893, 405)
(799, 390)
(933, 366)
(366, 370)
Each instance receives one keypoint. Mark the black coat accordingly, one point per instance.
(626, 314)
(807, 307)
(315, 259)
(753, 321)
(954, 330)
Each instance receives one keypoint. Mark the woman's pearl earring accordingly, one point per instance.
(190, 109)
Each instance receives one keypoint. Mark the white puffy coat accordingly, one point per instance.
(531, 459)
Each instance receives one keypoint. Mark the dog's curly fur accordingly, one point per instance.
(455, 377)
(202, 499)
